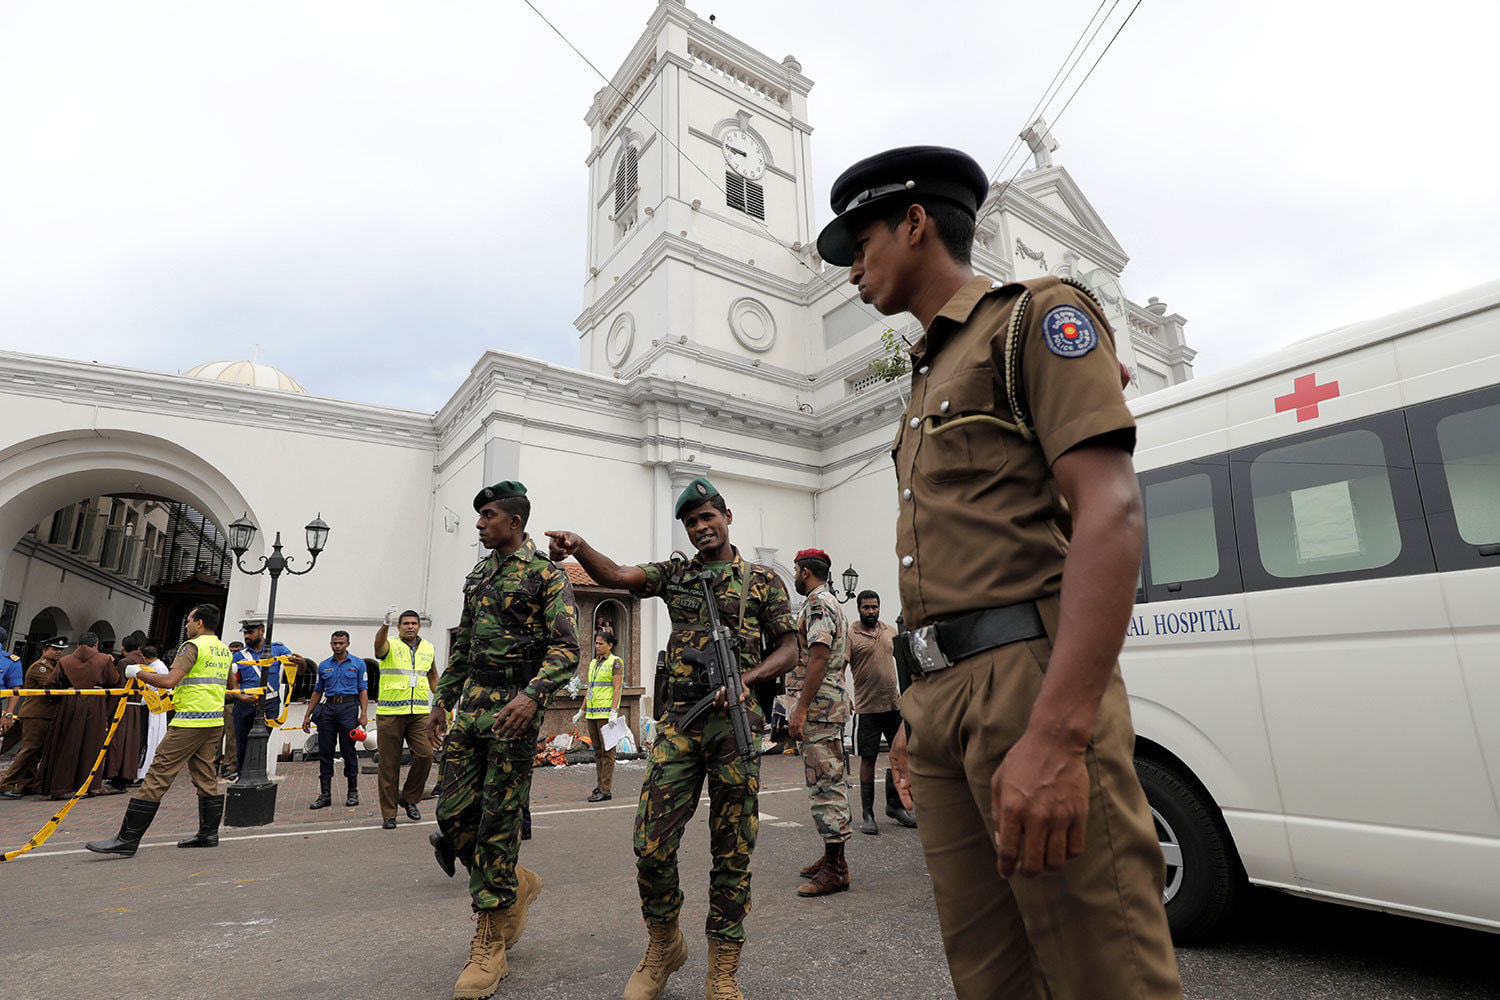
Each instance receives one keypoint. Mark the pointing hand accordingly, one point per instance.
(561, 544)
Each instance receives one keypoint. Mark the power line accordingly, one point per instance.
(1094, 66)
(1061, 69)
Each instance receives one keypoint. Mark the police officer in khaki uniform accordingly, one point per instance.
(1019, 538)
(34, 716)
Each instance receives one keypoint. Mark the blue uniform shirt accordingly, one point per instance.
(250, 675)
(341, 677)
(12, 671)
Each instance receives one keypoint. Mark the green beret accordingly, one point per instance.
(693, 495)
(501, 490)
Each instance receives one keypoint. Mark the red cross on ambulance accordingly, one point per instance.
(1305, 396)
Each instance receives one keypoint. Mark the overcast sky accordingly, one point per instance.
(374, 193)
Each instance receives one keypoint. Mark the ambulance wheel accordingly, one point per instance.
(1204, 878)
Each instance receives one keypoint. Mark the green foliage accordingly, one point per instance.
(893, 362)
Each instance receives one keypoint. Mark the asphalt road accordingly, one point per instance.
(342, 909)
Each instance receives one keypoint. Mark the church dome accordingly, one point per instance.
(247, 373)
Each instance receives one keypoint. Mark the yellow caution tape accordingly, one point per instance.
(40, 837)
(132, 687)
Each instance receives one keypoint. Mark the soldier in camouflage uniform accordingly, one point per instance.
(751, 600)
(816, 720)
(517, 642)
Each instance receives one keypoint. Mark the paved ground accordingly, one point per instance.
(327, 905)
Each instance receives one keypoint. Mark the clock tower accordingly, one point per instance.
(700, 206)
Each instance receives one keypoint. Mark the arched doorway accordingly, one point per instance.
(106, 633)
(45, 624)
(45, 474)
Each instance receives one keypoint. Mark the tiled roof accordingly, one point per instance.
(578, 576)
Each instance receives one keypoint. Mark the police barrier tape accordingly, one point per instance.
(132, 687)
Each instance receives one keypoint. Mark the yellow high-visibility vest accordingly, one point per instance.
(199, 696)
(403, 683)
(601, 696)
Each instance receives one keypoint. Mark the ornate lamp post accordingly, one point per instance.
(252, 800)
(851, 585)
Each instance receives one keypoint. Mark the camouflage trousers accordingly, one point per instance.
(679, 763)
(485, 781)
(822, 749)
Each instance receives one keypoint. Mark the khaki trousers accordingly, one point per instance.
(229, 742)
(195, 746)
(390, 731)
(1097, 927)
(25, 769)
(604, 760)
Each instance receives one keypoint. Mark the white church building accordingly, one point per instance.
(713, 341)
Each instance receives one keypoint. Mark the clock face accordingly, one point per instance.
(743, 154)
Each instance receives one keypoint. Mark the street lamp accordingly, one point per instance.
(252, 799)
(851, 584)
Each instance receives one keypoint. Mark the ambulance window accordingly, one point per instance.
(1325, 506)
(1180, 530)
(1469, 445)
(1190, 543)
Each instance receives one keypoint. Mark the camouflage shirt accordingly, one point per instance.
(821, 622)
(515, 606)
(736, 584)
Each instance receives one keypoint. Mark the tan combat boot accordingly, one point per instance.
(723, 963)
(486, 965)
(665, 953)
(513, 920)
(832, 877)
(811, 871)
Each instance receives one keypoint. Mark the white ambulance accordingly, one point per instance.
(1314, 658)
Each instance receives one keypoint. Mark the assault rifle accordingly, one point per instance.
(723, 668)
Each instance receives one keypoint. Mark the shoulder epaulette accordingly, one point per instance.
(1013, 341)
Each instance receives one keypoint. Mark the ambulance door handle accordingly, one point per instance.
(1173, 588)
(1490, 550)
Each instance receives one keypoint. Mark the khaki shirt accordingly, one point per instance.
(982, 523)
(40, 674)
(872, 659)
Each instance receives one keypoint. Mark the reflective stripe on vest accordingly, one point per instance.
(403, 684)
(199, 697)
(601, 696)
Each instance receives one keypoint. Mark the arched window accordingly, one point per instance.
(625, 178)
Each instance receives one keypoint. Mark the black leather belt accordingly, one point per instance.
(339, 699)
(518, 675)
(942, 644)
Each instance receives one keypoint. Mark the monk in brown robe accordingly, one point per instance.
(82, 720)
(122, 762)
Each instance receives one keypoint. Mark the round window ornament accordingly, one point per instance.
(619, 339)
(752, 325)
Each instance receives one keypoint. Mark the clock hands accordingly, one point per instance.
(737, 152)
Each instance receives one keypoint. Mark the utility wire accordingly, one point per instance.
(1062, 69)
(1076, 89)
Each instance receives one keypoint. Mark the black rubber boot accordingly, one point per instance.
(210, 812)
(443, 851)
(867, 807)
(893, 807)
(138, 816)
(352, 799)
(325, 798)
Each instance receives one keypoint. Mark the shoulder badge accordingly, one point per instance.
(1068, 332)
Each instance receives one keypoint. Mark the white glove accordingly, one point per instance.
(390, 613)
(614, 716)
(578, 717)
(131, 670)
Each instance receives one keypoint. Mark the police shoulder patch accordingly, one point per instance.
(1069, 332)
